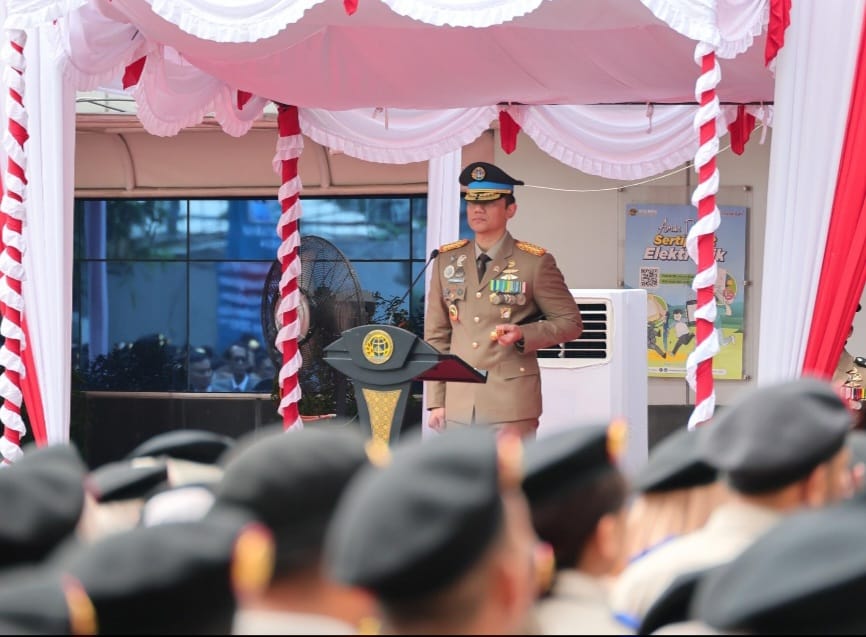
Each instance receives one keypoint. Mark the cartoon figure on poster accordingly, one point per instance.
(725, 290)
(656, 317)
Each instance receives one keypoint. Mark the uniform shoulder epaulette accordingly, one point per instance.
(531, 248)
(453, 245)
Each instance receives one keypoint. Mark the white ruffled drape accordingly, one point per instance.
(804, 159)
(395, 136)
(730, 26)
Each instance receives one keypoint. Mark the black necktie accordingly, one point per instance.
(481, 262)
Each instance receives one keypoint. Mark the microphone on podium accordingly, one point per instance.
(433, 254)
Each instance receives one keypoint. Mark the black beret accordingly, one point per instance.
(486, 182)
(415, 526)
(674, 463)
(35, 604)
(42, 496)
(185, 444)
(776, 435)
(557, 463)
(806, 575)
(292, 481)
(181, 578)
(125, 480)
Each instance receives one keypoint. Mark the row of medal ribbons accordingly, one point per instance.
(508, 286)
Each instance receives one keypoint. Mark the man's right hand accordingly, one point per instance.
(436, 419)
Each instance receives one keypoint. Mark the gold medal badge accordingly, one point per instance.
(453, 314)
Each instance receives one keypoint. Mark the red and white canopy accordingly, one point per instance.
(440, 71)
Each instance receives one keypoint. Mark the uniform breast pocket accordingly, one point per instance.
(518, 368)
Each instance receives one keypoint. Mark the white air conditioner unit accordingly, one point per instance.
(603, 374)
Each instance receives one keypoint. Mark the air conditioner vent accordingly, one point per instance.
(593, 343)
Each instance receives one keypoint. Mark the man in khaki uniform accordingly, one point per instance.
(780, 448)
(494, 302)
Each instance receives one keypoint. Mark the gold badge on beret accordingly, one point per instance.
(617, 437)
(253, 560)
(82, 614)
(509, 453)
(478, 173)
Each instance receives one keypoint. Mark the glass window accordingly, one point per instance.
(168, 293)
(133, 321)
(128, 229)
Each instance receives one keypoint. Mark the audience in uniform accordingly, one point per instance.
(322, 531)
(578, 496)
(780, 448)
(674, 493)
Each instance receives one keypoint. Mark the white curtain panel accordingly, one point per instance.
(811, 112)
(48, 230)
(443, 221)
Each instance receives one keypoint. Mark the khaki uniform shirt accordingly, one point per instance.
(730, 530)
(264, 622)
(846, 362)
(578, 605)
(462, 312)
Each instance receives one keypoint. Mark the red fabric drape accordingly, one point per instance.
(243, 98)
(843, 272)
(741, 129)
(132, 72)
(780, 19)
(508, 130)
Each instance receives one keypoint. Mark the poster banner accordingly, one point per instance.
(656, 260)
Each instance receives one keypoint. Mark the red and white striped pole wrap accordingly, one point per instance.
(700, 241)
(12, 272)
(290, 144)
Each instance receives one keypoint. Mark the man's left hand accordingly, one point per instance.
(508, 334)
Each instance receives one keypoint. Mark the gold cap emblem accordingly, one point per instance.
(478, 173)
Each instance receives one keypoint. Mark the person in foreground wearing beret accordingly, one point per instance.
(441, 536)
(42, 496)
(676, 493)
(807, 576)
(780, 448)
(577, 495)
(494, 301)
(177, 579)
(291, 482)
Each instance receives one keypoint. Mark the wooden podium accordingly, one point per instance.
(382, 361)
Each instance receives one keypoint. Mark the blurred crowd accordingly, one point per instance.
(750, 524)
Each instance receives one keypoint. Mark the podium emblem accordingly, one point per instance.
(378, 347)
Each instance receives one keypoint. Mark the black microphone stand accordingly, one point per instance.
(433, 254)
